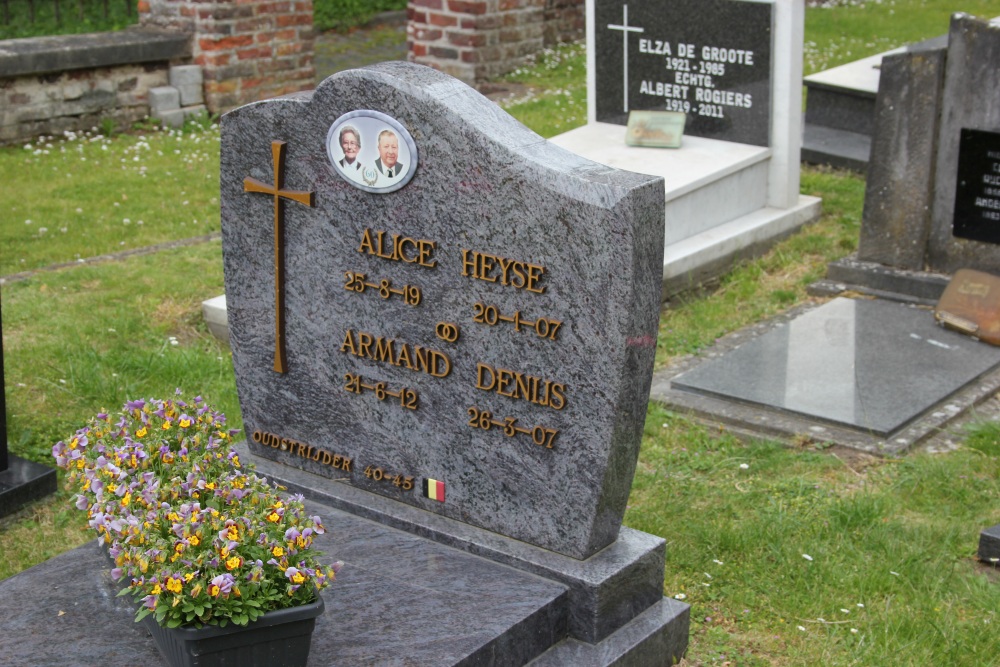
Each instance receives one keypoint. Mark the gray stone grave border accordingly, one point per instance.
(750, 421)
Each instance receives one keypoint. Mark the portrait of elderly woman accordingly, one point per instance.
(350, 143)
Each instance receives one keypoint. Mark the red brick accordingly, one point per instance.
(418, 50)
(252, 25)
(444, 52)
(442, 20)
(427, 35)
(467, 39)
(143, 6)
(288, 49)
(293, 19)
(220, 86)
(467, 7)
(213, 59)
(245, 54)
(431, 4)
(273, 8)
(225, 44)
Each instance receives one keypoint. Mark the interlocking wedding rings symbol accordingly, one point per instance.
(447, 331)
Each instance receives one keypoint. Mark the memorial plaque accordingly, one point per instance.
(709, 59)
(977, 193)
(477, 341)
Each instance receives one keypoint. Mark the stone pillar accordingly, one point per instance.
(475, 40)
(248, 50)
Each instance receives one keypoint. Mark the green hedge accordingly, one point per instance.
(339, 15)
(343, 15)
(17, 22)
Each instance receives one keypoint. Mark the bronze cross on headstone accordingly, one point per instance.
(253, 185)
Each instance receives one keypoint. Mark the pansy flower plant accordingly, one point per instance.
(195, 535)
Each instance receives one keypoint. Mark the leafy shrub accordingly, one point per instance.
(343, 15)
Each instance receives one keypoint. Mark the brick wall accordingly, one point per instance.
(49, 85)
(77, 100)
(565, 21)
(248, 50)
(476, 40)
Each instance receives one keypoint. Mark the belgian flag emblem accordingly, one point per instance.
(434, 489)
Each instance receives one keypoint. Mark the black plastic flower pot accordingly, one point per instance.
(279, 638)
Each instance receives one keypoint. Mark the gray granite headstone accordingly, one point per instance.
(478, 342)
(710, 59)
(900, 184)
(971, 101)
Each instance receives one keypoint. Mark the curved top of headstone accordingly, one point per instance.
(478, 343)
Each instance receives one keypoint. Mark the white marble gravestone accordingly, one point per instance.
(735, 67)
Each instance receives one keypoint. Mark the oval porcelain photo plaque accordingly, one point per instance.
(372, 151)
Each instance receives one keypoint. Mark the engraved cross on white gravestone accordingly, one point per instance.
(626, 29)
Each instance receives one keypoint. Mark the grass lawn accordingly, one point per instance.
(788, 555)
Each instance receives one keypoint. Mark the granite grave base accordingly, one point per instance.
(989, 545)
(441, 593)
(716, 199)
(877, 376)
(22, 482)
(851, 274)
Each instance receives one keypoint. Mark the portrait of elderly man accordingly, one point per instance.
(388, 155)
(350, 143)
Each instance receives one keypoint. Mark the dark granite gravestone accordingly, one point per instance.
(21, 480)
(977, 193)
(656, 56)
(989, 545)
(461, 350)
(920, 223)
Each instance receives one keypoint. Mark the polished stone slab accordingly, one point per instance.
(868, 365)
